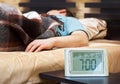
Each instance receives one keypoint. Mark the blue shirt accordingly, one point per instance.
(66, 26)
(70, 24)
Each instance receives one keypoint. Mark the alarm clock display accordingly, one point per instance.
(86, 62)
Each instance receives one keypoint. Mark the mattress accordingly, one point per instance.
(24, 68)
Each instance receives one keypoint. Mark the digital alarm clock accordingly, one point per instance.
(86, 62)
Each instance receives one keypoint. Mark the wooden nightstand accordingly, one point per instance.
(59, 76)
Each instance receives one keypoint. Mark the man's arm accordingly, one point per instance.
(76, 39)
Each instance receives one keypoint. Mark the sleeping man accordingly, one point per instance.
(66, 32)
(69, 28)
(45, 32)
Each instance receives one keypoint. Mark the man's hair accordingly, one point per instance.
(69, 13)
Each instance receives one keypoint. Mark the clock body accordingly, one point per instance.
(86, 62)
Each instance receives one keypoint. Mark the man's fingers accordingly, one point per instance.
(39, 48)
(32, 46)
(28, 47)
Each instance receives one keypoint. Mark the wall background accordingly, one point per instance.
(14, 2)
(79, 10)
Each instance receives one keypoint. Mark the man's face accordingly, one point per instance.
(55, 12)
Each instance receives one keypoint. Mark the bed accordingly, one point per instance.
(24, 68)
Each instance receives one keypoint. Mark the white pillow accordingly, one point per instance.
(95, 28)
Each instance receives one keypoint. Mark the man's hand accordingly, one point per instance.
(76, 39)
(40, 44)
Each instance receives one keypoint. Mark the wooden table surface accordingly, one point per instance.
(59, 76)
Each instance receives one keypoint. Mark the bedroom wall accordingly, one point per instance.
(13, 2)
(80, 9)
